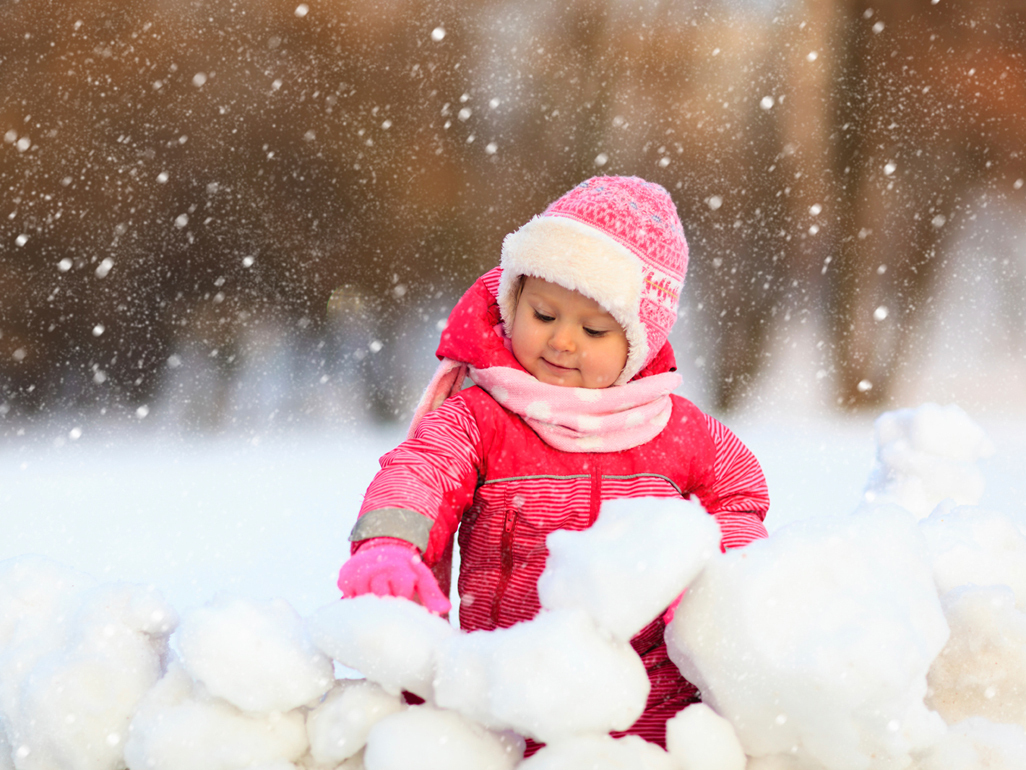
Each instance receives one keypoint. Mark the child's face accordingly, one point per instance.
(564, 338)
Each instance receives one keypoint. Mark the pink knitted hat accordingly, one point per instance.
(617, 240)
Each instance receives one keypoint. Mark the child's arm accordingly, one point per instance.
(413, 507)
(738, 497)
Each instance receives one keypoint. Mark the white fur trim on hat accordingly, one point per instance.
(580, 258)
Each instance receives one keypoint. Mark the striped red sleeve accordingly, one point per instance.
(740, 497)
(433, 474)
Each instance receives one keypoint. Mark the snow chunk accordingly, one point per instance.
(178, 726)
(982, 670)
(390, 641)
(255, 655)
(700, 739)
(553, 676)
(819, 638)
(431, 739)
(627, 568)
(978, 744)
(74, 662)
(338, 728)
(601, 752)
(926, 455)
(974, 546)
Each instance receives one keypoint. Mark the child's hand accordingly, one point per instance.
(392, 570)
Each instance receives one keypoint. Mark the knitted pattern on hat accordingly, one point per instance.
(617, 240)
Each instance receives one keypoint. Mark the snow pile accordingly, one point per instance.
(339, 727)
(567, 677)
(927, 455)
(75, 659)
(433, 739)
(978, 744)
(601, 752)
(982, 670)
(554, 676)
(390, 641)
(180, 725)
(571, 671)
(973, 546)
(236, 698)
(252, 685)
(842, 641)
(700, 739)
(816, 643)
(228, 644)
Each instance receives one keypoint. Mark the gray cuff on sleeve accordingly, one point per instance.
(401, 523)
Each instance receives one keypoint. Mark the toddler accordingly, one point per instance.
(566, 343)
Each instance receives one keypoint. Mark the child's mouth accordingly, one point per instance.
(557, 367)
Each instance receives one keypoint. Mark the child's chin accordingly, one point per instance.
(569, 381)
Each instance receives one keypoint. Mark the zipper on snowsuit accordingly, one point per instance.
(509, 528)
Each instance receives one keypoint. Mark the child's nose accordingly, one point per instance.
(562, 338)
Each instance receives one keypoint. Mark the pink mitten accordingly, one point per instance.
(392, 570)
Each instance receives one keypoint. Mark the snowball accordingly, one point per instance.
(338, 728)
(978, 744)
(75, 663)
(600, 752)
(627, 568)
(549, 677)
(390, 641)
(817, 640)
(37, 596)
(178, 726)
(979, 547)
(700, 739)
(982, 669)
(255, 655)
(927, 455)
(431, 739)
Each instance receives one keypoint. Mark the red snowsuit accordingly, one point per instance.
(474, 465)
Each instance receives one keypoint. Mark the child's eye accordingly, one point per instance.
(594, 332)
(542, 317)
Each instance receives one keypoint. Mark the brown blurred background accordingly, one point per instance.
(248, 211)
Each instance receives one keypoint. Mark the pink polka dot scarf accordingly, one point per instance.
(584, 419)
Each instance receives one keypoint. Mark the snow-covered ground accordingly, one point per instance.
(192, 516)
(218, 532)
